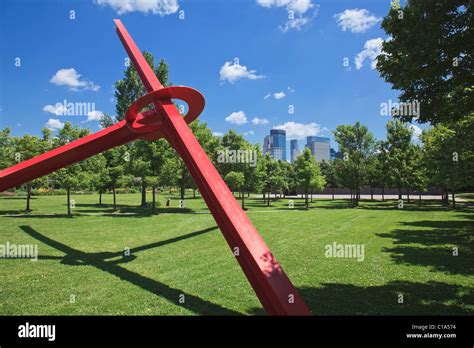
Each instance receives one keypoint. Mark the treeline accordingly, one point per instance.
(442, 158)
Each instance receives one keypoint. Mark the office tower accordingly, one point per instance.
(293, 150)
(319, 147)
(278, 144)
(266, 145)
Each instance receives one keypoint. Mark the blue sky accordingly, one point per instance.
(80, 59)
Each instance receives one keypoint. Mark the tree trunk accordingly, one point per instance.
(115, 201)
(268, 199)
(248, 194)
(333, 193)
(408, 195)
(181, 193)
(68, 195)
(453, 198)
(419, 198)
(154, 199)
(383, 193)
(143, 204)
(306, 199)
(446, 196)
(28, 196)
(243, 200)
(399, 192)
(371, 193)
(100, 197)
(311, 196)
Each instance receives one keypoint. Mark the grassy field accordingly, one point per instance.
(178, 252)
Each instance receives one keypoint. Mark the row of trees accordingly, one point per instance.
(396, 162)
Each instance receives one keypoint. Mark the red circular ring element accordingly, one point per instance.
(192, 97)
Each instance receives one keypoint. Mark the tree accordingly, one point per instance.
(429, 57)
(128, 90)
(27, 147)
(401, 154)
(330, 172)
(449, 155)
(383, 166)
(7, 149)
(308, 175)
(235, 181)
(114, 174)
(357, 145)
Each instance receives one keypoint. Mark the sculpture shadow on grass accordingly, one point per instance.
(76, 257)
(430, 243)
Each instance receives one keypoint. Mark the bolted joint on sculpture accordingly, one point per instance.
(270, 283)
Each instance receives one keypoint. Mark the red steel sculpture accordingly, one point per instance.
(270, 283)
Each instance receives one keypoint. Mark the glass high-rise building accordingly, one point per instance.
(266, 145)
(293, 150)
(319, 148)
(278, 144)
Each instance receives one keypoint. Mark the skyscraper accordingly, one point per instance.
(319, 147)
(266, 145)
(293, 150)
(278, 144)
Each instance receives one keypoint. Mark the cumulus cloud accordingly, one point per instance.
(298, 6)
(234, 71)
(237, 118)
(356, 20)
(259, 121)
(296, 12)
(57, 109)
(72, 79)
(160, 7)
(279, 95)
(54, 124)
(94, 115)
(296, 130)
(372, 48)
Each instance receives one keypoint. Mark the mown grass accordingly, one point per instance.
(177, 252)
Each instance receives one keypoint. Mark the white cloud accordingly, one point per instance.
(298, 6)
(291, 90)
(57, 109)
(416, 131)
(94, 115)
(296, 130)
(294, 23)
(250, 132)
(234, 71)
(296, 12)
(54, 124)
(160, 7)
(279, 95)
(259, 121)
(372, 48)
(267, 96)
(72, 79)
(356, 20)
(217, 134)
(237, 118)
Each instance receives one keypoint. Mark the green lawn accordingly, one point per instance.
(179, 252)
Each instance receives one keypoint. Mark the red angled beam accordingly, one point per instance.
(269, 281)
